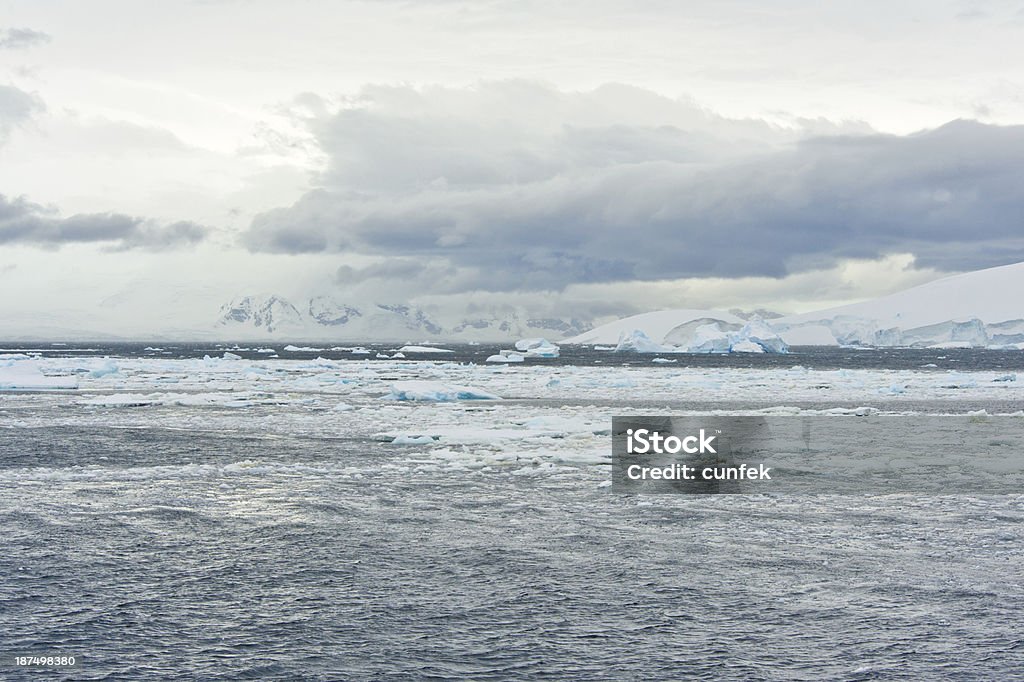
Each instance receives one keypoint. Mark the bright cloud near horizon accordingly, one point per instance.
(591, 159)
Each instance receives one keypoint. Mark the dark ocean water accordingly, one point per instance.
(812, 357)
(155, 553)
(165, 571)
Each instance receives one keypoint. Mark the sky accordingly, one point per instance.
(588, 159)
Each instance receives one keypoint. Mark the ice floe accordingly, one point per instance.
(423, 349)
(436, 391)
(27, 375)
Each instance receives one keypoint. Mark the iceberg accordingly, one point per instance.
(537, 348)
(436, 391)
(637, 341)
(758, 332)
(709, 338)
(108, 366)
(506, 356)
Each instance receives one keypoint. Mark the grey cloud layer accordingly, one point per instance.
(16, 108)
(24, 222)
(519, 186)
(18, 38)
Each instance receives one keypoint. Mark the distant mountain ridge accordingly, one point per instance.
(271, 315)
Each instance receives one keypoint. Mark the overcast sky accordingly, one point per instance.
(585, 158)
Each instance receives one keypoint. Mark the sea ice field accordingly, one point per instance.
(331, 513)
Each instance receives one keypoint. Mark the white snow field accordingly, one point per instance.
(530, 419)
(972, 310)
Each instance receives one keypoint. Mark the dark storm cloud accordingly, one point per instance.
(549, 191)
(18, 38)
(24, 222)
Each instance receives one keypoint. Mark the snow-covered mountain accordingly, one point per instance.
(975, 309)
(981, 308)
(661, 326)
(269, 316)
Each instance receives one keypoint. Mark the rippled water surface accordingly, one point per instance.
(289, 540)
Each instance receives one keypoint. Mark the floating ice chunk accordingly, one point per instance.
(423, 349)
(106, 367)
(265, 350)
(231, 356)
(436, 391)
(506, 357)
(359, 350)
(398, 356)
(663, 360)
(26, 375)
(406, 439)
(537, 348)
(301, 349)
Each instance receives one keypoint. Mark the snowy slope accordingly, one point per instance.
(992, 295)
(656, 325)
(982, 308)
(975, 309)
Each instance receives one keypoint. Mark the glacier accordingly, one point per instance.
(979, 309)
